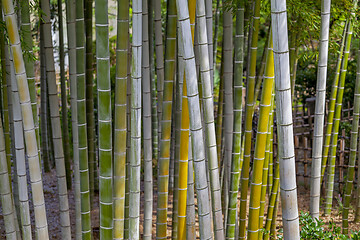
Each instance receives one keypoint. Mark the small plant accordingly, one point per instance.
(312, 228)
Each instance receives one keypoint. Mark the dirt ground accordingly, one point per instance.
(50, 191)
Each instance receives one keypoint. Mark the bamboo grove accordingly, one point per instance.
(175, 120)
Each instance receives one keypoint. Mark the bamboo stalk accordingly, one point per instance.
(105, 118)
(353, 150)
(288, 190)
(319, 111)
(120, 126)
(236, 164)
(337, 116)
(201, 184)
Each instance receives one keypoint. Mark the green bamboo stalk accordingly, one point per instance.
(353, 150)
(271, 213)
(236, 155)
(104, 116)
(81, 121)
(286, 152)
(209, 31)
(335, 130)
(29, 128)
(201, 184)
(260, 74)
(44, 106)
(273, 222)
(120, 131)
(159, 52)
(64, 110)
(357, 207)
(249, 109)
(70, 19)
(90, 115)
(320, 111)
(154, 106)
(330, 117)
(147, 123)
(164, 154)
(219, 120)
(216, 31)
(293, 60)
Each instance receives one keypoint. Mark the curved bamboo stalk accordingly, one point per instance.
(335, 130)
(353, 149)
(55, 124)
(30, 135)
(71, 34)
(208, 109)
(147, 123)
(330, 117)
(319, 111)
(260, 145)
(20, 160)
(104, 115)
(29, 62)
(286, 153)
(250, 90)
(201, 184)
(165, 128)
(81, 121)
(236, 164)
(120, 130)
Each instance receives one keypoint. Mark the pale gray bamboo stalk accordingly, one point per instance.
(228, 98)
(201, 184)
(159, 52)
(20, 159)
(71, 34)
(208, 109)
(29, 128)
(8, 210)
(55, 124)
(135, 151)
(147, 124)
(315, 185)
(190, 198)
(286, 153)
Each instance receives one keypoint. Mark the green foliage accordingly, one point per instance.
(312, 228)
